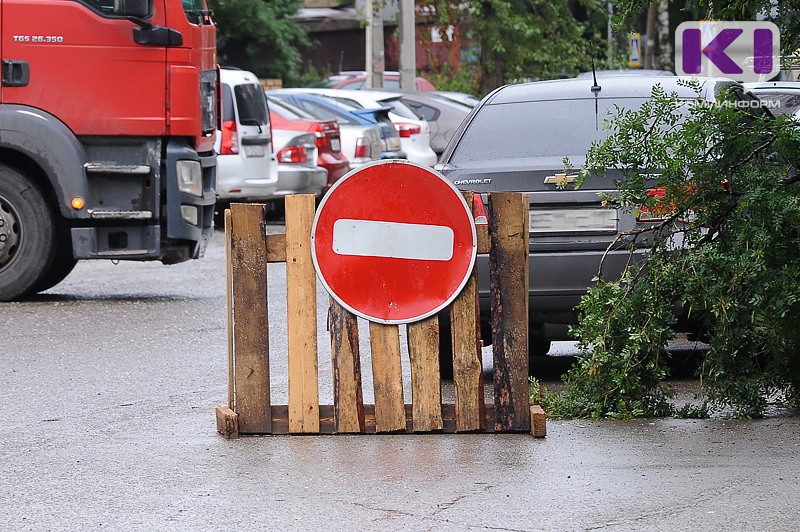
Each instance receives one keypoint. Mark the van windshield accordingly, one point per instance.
(251, 104)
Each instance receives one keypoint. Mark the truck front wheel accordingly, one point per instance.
(27, 235)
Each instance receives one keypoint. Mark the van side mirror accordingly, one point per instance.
(133, 8)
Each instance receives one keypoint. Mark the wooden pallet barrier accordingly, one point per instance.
(249, 410)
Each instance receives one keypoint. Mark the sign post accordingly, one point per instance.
(394, 242)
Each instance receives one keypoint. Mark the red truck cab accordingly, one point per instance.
(107, 124)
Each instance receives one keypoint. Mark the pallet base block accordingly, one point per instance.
(538, 422)
(227, 422)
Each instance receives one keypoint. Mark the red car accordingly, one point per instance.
(284, 115)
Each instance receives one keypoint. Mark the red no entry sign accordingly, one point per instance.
(394, 242)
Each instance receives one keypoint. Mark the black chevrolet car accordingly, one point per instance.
(516, 140)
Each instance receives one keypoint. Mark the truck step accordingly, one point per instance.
(120, 215)
(114, 168)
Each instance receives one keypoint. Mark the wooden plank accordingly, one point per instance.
(387, 377)
(483, 238)
(280, 419)
(508, 267)
(538, 422)
(228, 422)
(467, 365)
(348, 400)
(229, 307)
(250, 323)
(301, 307)
(426, 390)
(276, 247)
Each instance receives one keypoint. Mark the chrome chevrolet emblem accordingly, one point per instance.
(559, 179)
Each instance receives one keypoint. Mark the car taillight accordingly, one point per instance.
(406, 130)
(323, 141)
(230, 138)
(293, 154)
(479, 210)
(362, 148)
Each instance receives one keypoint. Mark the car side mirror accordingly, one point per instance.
(133, 8)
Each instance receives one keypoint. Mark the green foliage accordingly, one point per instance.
(462, 79)
(786, 14)
(726, 253)
(257, 35)
(526, 39)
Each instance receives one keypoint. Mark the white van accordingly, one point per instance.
(246, 166)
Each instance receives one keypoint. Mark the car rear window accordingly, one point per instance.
(559, 128)
(400, 108)
(324, 113)
(252, 105)
(287, 110)
(227, 104)
(779, 103)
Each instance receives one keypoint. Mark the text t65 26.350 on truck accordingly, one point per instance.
(107, 124)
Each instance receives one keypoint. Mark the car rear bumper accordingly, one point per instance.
(557, 280)
(299, 179)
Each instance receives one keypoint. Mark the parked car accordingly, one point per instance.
(516, 140)
(330, 156)
(778, 97)
(327, 108)
(458, 97)
(413, 131)
(356, 79)
(246, 166)
(443, 115)
(298, 172)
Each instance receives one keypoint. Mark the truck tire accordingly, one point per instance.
(27, 235)
(63, 263)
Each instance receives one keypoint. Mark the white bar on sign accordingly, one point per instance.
(369, 238)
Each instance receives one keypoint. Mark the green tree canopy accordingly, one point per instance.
(257, 35)
(528, 39)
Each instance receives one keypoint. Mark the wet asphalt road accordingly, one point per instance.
(109, 384)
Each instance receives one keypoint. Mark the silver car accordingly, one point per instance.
(298, 172)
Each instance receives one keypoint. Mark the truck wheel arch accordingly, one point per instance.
(40, 139)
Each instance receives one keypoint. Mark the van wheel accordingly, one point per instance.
(27, 235)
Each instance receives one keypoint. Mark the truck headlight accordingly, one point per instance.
(190, 177)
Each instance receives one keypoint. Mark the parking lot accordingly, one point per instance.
(109, 386)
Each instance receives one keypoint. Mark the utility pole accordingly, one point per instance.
(650, 47)
(374, 36)
(408, 47)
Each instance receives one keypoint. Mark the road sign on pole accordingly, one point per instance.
(635, 50)
(394, 242)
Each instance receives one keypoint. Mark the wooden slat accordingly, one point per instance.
(508, 266)
(248, 270)
(387, 377)
(348, 401)
(276, 247)
(467, 365)
(426, 391)
(483, 238)
(280, 419)
(301, 307)
(229, 307)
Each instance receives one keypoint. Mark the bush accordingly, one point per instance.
(726, 253)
